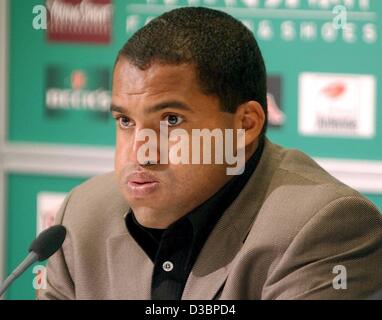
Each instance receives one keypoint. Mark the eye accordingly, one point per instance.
(124, 122)
(173, 120)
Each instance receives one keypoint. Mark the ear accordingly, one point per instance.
(251, 117)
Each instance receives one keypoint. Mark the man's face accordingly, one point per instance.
(159, 194)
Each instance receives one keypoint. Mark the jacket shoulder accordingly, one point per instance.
(95, 206)
(298, 191)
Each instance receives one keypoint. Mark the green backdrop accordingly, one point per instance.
(31, 54)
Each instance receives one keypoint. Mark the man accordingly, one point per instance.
(281, 229)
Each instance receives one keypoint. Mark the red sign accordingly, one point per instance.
(88, 21)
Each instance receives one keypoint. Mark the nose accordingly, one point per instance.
(145, 149)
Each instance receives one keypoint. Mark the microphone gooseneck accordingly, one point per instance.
(45, 245)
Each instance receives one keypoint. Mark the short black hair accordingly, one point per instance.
(228, 61)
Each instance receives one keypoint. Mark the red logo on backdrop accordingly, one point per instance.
(79, 20)
(78, 79)
(334, 90)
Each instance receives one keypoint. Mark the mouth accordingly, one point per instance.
(141, 185)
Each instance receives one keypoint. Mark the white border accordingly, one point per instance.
(63, 160)
(362, 175)
(3, 123)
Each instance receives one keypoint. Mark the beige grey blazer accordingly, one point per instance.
(294, 232)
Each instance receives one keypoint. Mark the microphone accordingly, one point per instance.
(47, 243)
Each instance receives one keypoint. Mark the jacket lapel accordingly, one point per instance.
(213, 264)
(215, 260)
(129, 268)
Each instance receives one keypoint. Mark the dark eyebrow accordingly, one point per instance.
(116, 108)
(168, 104)
(157, 107)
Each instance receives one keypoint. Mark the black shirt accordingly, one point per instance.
(174, 250)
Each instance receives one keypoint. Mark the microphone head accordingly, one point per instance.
(48, 242)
